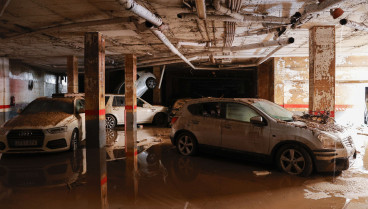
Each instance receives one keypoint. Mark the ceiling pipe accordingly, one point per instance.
(309, 10)
(225, 18)
(269, 55)
(226, 68)
(141, 11)
(282, 42)
(268, 19)
(169, 45)
(201, 9)
(355, 25)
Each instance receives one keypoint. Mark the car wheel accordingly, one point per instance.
(74, 140)
(160, 119)
(151, 83)
(294, 160)
(186, 144)
(110, 122)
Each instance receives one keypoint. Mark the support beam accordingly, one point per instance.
(131, 124)
(322, 69)
(94, 79)
(4, 90)
(72, 73)
(156, 90)
(201, 8)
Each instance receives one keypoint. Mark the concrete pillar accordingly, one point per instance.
(94, 80)
(4, 90)
(156, 91)
(131, 123)
(322, 69)
(72, 73)
(266, 80)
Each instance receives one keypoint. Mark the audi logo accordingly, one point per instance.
(25, 133)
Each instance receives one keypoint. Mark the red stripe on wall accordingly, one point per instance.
(130, 107)
(332, 113)
(95, 112)
(4, 106)
(344, 106)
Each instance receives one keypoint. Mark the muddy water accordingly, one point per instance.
(169, 180)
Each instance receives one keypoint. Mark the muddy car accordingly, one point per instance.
(45, 125)
(264, 129)
(146, 113)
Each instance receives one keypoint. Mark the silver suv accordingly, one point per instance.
(262, 128)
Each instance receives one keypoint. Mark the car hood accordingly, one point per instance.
(316, 126)
(39, 120)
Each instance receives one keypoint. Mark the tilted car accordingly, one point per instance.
(146, 113)
(264, 129)
(45, 125)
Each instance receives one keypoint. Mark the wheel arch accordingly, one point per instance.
(183, 131)
(289, 142)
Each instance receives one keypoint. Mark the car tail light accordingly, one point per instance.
(174, 119)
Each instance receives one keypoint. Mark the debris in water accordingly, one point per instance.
(261, 173)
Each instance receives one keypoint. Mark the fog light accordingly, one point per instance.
(2, 146)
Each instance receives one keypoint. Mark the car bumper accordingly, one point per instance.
(50, 143)
(333, 161)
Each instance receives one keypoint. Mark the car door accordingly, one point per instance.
(145, 111)
(205, 122)
(118, 108)
(239, 134)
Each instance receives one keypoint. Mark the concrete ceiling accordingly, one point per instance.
(28, 32)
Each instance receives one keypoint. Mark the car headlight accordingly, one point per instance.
(57, 130)
(329, 142)
(3, 131)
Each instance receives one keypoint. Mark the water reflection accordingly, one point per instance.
(166, 179)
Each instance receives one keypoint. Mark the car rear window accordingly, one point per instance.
(107, 99)
(208, 109)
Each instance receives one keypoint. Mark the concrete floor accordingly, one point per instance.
(169, 180)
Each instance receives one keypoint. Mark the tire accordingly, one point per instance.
(151, 83)
(110, 122)
(294, 160)
(74, 140)
(160, 119)
(187, 144)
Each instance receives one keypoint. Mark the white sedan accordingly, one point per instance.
(146, 113)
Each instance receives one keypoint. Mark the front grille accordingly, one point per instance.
(25, 138)
(348, 142)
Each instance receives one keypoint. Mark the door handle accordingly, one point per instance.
(195, 121)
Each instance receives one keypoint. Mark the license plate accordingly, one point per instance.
(25, 142)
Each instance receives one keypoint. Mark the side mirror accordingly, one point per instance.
(258, 121)
(145, 105)
(82, 110)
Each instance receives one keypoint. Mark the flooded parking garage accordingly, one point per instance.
(166, 179)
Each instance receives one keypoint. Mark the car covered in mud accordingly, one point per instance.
(146, 113)
(297, 145)
(45, 125)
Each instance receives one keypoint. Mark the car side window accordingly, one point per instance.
(239, 112)
(107, 99)
(209, 109)
(139, 103)
(80, 104)
(118, 101)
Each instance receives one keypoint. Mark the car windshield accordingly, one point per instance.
(274, 110)
(50, 105)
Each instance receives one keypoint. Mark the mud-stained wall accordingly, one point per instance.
(21, 84)
(292, 86)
